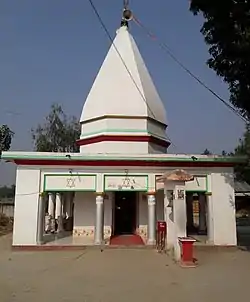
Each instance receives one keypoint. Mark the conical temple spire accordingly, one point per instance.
(123, 112)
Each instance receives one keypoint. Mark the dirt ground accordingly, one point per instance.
(120, 275)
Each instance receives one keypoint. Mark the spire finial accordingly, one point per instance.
(126, 14)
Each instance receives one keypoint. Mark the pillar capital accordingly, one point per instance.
(42, 194)
(99, 199)
(151, 193)
(99, 194)
(151, 200)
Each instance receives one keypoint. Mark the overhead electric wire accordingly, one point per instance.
(123, 62)
(167, 49)
(119, 54)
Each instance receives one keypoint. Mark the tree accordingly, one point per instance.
(7, 192)
(226, 30)
(242, 172)
(58, 134)
(206, 152)
(224, 153)
(6, 136)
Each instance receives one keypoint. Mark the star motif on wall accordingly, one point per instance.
(128, 183)
(70, 182)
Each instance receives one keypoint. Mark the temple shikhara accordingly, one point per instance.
(123, 180)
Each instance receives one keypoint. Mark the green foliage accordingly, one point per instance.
(243, 149)
(7, 192)
(58, 134)
(226, 30)
(6, 136)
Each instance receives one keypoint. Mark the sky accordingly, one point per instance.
(51, 51)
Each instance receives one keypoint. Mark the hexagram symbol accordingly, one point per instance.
(71, 182)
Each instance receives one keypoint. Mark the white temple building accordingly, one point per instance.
(110, 188)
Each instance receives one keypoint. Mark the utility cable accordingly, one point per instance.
(119, 54)
(166, 48)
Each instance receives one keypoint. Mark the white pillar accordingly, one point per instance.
(180, 216)
(168, 217)
(210, 219)
(51, 207)
(59, 211)
(40, 220)
(151, 219)
(99, 222)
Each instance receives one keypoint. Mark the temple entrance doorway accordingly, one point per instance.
(196, 213)
(125, 213)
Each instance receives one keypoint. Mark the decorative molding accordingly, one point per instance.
(107, 231)
(121, 132)
(100, 194)
(151, 193)
(84, 232)
(142, 231)
(123, 138)
(175, 175)
(12, 155)
(70, 182)
(126, 182)
(119, 117)
(90, 231)
(79, 160)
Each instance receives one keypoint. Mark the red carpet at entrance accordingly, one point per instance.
(126, 240)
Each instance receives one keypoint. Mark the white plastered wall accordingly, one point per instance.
(221, 222)
(85, 214)
(116, 147)
(223, 208)
(26, 206)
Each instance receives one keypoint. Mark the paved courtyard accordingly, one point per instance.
(120, 275)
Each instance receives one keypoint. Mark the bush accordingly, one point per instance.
(4, 220)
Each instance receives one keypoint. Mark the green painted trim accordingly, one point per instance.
(123, 175)
(191, 191)
(96, 133)
(66, 190)
(11, 155)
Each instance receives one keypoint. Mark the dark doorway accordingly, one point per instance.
(196, 213)
(125, 213)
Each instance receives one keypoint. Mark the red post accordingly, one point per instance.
(187, 252)
(161, 235)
